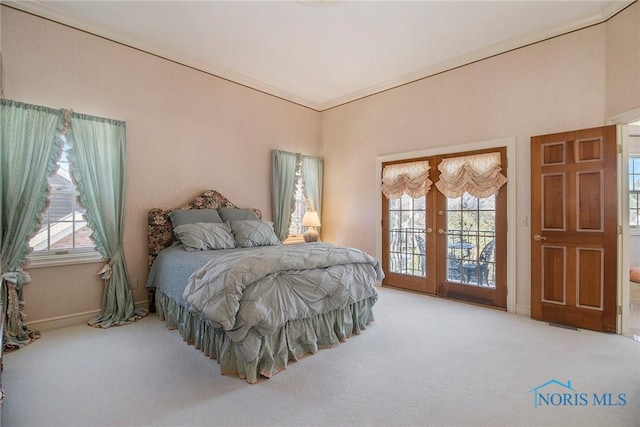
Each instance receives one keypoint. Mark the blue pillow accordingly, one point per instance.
(202, 236)
(249, 234)
(235, 214)
(191, 216)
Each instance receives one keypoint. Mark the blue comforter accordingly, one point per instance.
(253, 293)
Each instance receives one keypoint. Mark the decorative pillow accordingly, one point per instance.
(191, 216)
(202, 236)
(250, 234)
(233, 214)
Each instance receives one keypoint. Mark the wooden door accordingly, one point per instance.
(471, 244)
(574, 228)
(408, 241)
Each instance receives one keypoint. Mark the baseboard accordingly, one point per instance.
(525, 310)
(72, 319)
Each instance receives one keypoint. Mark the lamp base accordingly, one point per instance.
(311, 235)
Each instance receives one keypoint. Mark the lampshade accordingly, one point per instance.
(311, 219)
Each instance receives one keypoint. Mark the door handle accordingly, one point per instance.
(538, 237)
(429, 230)
(441, 231)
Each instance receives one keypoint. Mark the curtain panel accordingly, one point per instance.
(411, 179)
(98, 167)
(479, 175)
(284, 166)
(312, 176)
(29, 150)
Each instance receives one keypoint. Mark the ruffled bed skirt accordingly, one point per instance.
(292, 341)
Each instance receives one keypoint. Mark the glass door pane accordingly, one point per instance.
(407, 248)
(471, 233)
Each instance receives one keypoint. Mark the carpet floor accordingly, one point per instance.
(424, 362)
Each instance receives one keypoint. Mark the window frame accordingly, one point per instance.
(63, 256)
(633, 229)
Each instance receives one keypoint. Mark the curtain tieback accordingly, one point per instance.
(105, 272)
(17, 278)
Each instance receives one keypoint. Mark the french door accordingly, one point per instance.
(407, 239)
(450, 247)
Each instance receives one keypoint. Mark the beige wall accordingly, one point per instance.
(187, 132)
(557, 85)
(623, 61)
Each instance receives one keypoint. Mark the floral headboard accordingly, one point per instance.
(160, 230)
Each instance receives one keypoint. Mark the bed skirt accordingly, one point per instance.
(292, 341)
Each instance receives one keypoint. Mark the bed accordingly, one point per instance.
(247, 300)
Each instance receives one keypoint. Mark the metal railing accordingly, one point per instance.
(405, 254)
(470, 258)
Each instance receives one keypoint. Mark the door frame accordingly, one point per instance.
(510, 144)
(621, 120)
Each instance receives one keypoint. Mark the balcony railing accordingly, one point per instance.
(470, 255)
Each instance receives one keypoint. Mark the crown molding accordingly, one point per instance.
(581, 22)
(44, 10)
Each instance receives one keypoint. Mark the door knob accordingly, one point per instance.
(429, 230)
(538, 237)
(441, 231)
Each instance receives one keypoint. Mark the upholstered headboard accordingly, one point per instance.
(160, 230)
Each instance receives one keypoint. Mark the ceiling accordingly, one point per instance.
(323, 53)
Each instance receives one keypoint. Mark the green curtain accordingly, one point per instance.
(312, 174)
(97, 156)
(29, 150)
(283, 181)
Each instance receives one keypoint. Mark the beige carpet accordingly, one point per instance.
(425, 361)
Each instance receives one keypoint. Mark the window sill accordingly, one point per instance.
(55, 260)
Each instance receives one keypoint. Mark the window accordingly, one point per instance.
(634, 192)
(295, 228)
(64, 236)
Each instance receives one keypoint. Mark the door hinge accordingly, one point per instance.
(619, 309)
(619, 148)
(620, 230)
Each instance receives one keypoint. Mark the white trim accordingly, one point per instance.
(72, 319)
(40, 8)
(59, 259)
(510, 144)
(622, 294)
(524, 310)
(624, 118)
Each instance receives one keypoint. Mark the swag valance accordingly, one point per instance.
(479, 175)
(411, 179)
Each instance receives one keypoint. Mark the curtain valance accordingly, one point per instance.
(479, 175)
(409, 178)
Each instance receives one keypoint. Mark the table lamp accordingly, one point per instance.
(311, 221)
